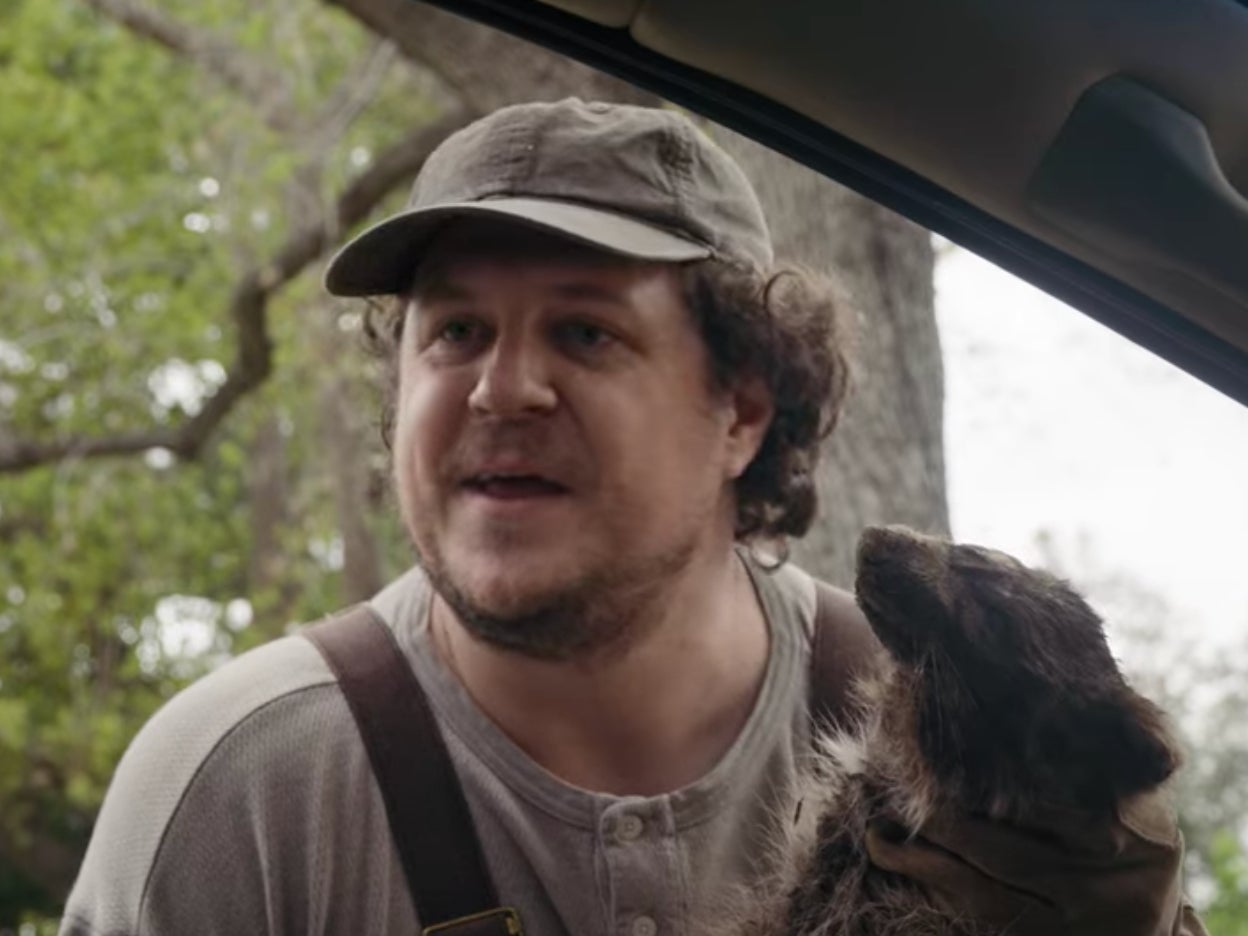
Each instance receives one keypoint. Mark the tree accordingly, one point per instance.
(188, 458)
(1227, 913)
(885, 462)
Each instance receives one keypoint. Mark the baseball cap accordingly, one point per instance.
(636, 181)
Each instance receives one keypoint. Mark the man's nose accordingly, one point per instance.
(515, 380)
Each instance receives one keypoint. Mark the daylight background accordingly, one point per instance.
(189, 457)
(1066, 441)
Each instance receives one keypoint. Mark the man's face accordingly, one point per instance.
(558, 445)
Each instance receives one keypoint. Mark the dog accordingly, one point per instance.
(995, 696)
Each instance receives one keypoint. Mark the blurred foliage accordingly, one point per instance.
(1227, 913)
(134, 190)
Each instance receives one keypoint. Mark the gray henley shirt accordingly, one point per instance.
(247, 805)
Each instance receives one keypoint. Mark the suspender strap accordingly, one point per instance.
(843, 647)
(429, 818)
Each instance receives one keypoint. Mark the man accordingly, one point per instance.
(603, 391)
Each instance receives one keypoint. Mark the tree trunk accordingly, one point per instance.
(343, 430)
(267, 502)
(885, 462)
(481, 68)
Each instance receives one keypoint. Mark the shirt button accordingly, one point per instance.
(644, 926)
(629, 830)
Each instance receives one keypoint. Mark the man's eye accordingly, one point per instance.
(456, 338)
(458, 331)
(585, 335)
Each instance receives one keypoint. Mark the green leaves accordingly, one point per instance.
(1227, 915)
(137, 188)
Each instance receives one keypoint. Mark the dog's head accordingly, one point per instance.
(1016, 697)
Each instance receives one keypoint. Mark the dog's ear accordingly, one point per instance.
(1130, 743)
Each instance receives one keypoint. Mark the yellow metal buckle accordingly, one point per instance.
(509, 918)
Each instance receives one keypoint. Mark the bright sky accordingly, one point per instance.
(1053, 421)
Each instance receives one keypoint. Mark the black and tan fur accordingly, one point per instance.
(998, 696)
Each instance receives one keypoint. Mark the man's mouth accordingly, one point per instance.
(513, 486)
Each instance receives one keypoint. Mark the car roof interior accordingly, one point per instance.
(1097, 148)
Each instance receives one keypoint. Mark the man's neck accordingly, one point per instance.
(649, 719)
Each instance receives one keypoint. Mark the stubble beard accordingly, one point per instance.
(602, 612)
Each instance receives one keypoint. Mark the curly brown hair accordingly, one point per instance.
(788, 327)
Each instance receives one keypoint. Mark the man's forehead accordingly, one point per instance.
(460, 256)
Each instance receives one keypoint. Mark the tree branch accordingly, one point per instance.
(351, 96)
(485, 68)
(253, 79)
(248, 310)
(324, 129)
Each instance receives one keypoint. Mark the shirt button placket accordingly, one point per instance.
(629, 828)
(636, 839)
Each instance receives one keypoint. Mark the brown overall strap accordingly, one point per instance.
(843, 647)
(429, 819)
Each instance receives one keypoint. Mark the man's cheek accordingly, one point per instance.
(423, 447)
(405, 458)
(401, 474)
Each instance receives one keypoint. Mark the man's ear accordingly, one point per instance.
(752, 410)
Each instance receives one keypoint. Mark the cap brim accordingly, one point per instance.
(382, 260)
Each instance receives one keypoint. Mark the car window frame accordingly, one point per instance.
(1137, 317)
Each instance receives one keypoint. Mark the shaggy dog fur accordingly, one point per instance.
(999, 695)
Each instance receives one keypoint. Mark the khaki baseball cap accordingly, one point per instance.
(636, 181)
